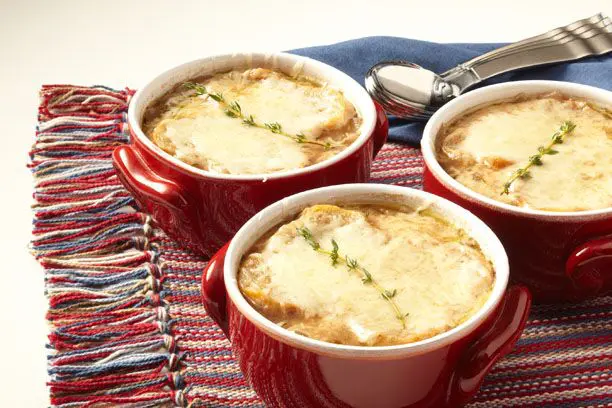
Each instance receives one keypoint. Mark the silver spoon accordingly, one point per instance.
(409, 91)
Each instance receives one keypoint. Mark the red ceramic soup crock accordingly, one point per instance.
(290, 370)
(202, 209)
(560, 256)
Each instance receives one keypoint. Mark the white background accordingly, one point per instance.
(119, 43)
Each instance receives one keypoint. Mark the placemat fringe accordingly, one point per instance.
(111, 341)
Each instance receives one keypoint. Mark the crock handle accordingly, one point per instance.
(213, 290)
(144, 184)
(496, 341)
(589, 266)
(381, 129)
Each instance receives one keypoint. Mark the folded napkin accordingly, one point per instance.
(355, 57)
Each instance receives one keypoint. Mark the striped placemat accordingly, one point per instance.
(127, 326)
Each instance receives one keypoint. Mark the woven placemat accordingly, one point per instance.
(127, 325)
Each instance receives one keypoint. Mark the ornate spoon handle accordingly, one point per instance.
(592, 36)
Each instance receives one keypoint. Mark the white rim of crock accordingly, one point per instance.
(490, 94)
(338, 80)
(372, 193)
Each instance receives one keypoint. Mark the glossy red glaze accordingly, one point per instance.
(286, 376)
(558, 260)
(213, 290)
(381, 130)
(204, 212)
(590, 265)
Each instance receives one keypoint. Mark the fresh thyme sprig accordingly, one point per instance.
(234, 110)
(536, 160)
(353, 265)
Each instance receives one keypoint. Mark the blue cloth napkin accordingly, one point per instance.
(355, 57)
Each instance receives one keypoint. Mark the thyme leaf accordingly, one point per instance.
(274, 127)
(307, 235)
(217, 97)
(250, 120)
(334, 254)
(199, 89)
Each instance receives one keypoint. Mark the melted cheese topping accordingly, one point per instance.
(440, 275)
(196, 129)
(483, 148)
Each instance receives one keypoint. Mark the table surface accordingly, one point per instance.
(119, 43)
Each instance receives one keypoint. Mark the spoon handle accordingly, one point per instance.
(591, 36)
